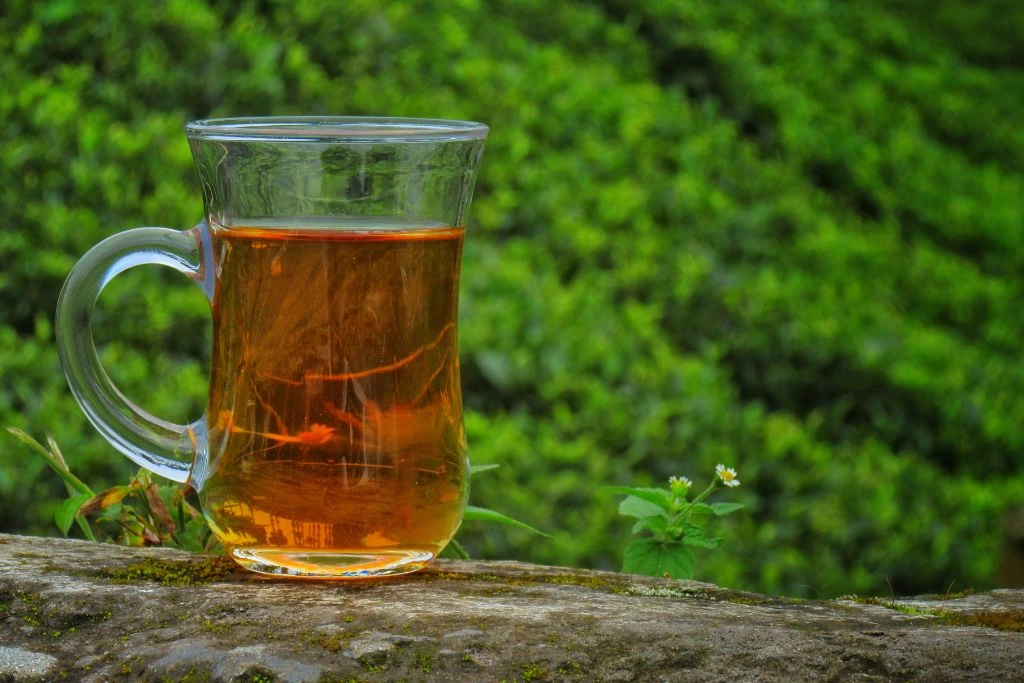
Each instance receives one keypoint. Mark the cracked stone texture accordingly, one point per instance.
(61, 617)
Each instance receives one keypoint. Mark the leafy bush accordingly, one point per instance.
(786, 236)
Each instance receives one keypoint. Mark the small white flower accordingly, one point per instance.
(727, 475)
(679, 483)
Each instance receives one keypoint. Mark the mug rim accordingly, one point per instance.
(373, 129)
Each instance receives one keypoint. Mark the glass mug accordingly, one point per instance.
(333, 443)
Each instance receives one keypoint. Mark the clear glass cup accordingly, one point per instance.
(332, 444)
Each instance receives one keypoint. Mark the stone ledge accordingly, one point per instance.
(66, 613)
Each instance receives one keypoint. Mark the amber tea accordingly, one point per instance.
(336, 420)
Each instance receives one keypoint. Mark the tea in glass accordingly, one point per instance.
(334, 382)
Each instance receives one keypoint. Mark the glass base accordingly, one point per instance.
(330, 564)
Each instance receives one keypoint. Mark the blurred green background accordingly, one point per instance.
(785, 236)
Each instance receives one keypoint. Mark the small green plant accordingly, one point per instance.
(146, 513)
(139, 513)
(670, 525)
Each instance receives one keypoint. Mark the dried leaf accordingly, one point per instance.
(160, 512)
(105, 499)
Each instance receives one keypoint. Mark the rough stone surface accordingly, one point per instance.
(63, 617)
(18, 663)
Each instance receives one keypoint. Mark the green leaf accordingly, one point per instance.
(111, 513)
(193, 535)
(656, 525)
(485, 515)
(86, 529)
(695, 536)
(477, 469)
(632, 506)
(454, 551)
(55, 461)
(54, 450)
(722, 509)
(700, 509)
(659, 497)
(68, 509)
(187, 539)
(655, 557)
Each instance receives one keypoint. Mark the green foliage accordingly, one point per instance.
(786, 235)
(139, 513)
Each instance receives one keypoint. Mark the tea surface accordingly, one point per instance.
(335, 408)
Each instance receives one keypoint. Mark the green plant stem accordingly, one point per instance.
(55, 460)
(55, 464)
(83, 524)
(685, 512)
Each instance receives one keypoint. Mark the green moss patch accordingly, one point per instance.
(592, 582)
(173, 572)
(333, 642)
(1012, 620)
(1003, 620)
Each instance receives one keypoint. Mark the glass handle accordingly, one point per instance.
(166, 448)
